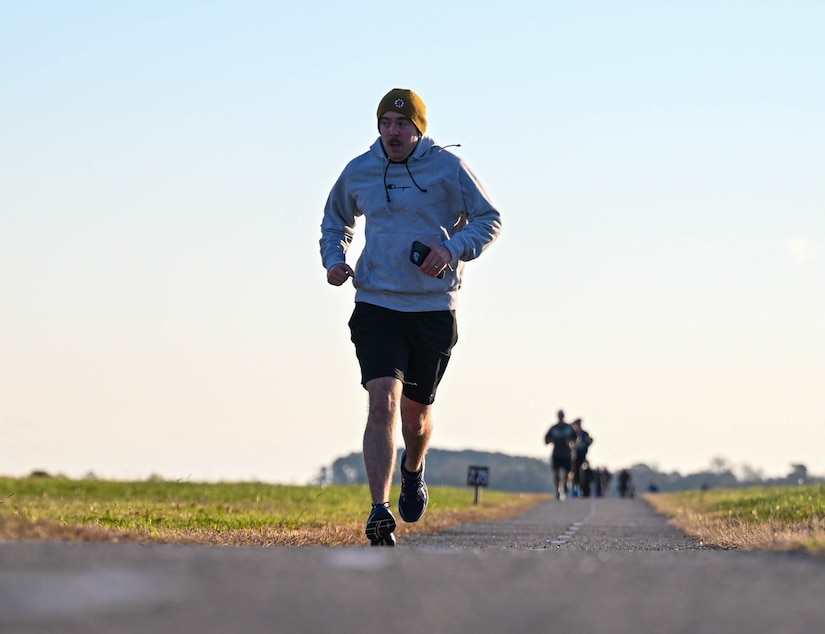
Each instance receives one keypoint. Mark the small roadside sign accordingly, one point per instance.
(478, 476)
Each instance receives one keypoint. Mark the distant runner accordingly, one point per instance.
(583, 442)
(563, 438)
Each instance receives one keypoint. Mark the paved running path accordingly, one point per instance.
(605, 524)
(577, 566)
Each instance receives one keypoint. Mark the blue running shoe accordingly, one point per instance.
(380, 525)
(413, 500)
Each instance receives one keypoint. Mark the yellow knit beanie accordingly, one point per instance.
(406, 102)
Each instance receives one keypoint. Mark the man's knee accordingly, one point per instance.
(415, 416)
(384, 396)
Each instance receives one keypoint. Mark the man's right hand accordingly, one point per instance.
(339, 273)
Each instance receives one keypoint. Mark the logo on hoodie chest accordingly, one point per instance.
(394, 187)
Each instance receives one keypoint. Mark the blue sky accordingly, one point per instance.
(661, 273)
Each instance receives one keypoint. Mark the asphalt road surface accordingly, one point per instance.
(577, 566)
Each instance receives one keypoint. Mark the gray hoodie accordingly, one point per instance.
(433, 197)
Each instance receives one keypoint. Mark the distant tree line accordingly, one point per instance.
(532, 475)
(449, 468)
(720, 475)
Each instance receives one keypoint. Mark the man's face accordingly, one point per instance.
(398, 134)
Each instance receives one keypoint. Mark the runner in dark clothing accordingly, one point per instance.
(625, 484)
(583, 442)
(563, 437)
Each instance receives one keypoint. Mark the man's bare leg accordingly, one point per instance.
(379, 436)
(417, 428)
(563, 483)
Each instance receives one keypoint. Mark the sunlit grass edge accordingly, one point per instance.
(219, 513)
(757, 518)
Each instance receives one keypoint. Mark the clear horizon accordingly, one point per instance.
(743, 472)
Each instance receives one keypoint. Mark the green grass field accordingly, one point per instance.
(59, 508)
(760, 505)
(248, 513)
(758, 518)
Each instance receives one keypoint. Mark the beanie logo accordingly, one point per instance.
(399, 103)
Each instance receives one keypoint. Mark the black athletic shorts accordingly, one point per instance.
(562, 462)
(412, 347)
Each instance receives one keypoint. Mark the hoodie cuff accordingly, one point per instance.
(446, 246)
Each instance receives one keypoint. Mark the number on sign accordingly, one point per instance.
(478, 476)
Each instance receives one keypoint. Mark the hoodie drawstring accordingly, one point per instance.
(387, 187)
(421, 189)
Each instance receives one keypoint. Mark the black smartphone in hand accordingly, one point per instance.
(419, 252)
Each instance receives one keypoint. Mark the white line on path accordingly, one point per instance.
(564, 537)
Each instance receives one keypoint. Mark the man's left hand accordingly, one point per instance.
(436, 261)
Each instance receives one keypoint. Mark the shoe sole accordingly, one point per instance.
(380, 532)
